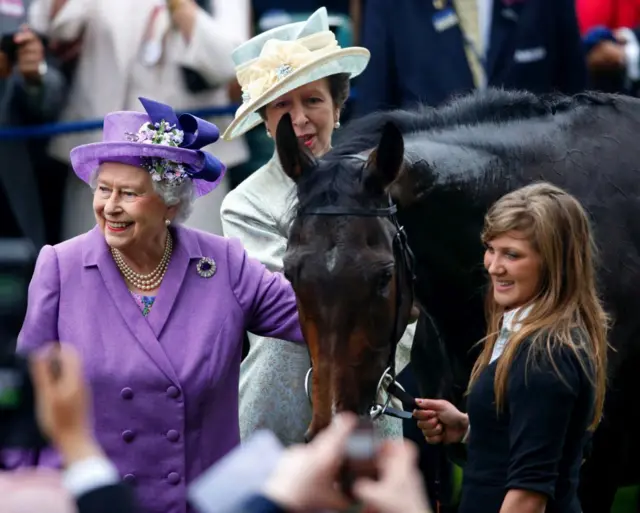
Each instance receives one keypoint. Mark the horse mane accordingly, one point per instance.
(335, 181)
(488, 106)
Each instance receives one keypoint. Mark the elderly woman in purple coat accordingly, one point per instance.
(157, 310)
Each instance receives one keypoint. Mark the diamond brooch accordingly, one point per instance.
(206, 267)
(283, 70)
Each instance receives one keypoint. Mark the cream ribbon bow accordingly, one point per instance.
(280, 58)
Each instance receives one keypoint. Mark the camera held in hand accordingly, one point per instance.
(18, 425)
(361, 454)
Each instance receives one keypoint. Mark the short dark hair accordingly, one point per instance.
(339, 88)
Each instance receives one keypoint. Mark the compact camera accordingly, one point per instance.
(361, 455)
(18, 425)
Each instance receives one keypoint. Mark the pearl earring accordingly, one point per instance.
(337, 125)
(268, 134)
(167, 222)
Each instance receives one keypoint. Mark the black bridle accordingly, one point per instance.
(404, 273)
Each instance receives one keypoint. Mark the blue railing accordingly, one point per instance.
(272, 18)
(52, 129)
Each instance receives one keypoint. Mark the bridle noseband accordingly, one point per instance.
(405, 271)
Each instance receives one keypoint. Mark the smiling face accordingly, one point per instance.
(514, 267)
(127, 208)
(313, 114)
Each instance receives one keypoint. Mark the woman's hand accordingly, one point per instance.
(440, 421)
(400, 487)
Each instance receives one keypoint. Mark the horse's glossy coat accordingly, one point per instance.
(444, 168)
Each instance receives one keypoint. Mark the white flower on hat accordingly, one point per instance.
(164, 134)
(280, 58)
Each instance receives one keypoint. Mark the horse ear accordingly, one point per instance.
(387, 158)
(294, 157)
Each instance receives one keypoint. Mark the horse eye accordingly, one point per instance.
(384, 279)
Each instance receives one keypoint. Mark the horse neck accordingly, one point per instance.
(443, 233)
(440, 162)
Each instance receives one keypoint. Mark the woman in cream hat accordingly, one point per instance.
(298, 69)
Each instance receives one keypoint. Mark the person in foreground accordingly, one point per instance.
(299, 69)
(89, 482)
(306, 477)
(156, 310)
(537, 389)
(63, 413)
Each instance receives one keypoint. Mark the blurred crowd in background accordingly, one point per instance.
(66, 61)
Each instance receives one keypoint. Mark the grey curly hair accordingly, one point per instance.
(182, 195)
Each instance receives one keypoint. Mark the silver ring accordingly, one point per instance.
(375, 411)
(385, 374)
(307, 389)
(378, 410)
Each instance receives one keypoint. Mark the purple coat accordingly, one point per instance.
(165, 387)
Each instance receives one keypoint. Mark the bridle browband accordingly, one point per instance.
(404, 267)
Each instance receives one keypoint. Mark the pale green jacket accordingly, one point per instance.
(272, 393)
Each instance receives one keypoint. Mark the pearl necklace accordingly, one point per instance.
(149, 281)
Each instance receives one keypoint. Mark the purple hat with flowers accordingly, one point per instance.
(160, 141)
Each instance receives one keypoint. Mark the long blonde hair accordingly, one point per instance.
(558, 229)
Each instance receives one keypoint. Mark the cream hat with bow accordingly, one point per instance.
(284, 58)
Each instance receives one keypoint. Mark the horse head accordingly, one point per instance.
(350, 267)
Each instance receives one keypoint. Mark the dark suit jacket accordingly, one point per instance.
(116, 498)
(533, 45)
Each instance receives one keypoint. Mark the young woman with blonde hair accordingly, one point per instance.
(537, 389)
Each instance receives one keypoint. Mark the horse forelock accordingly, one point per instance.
(334, 182)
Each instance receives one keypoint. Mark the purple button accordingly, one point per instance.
(126, 393)
(173, 435)
(173, 392)
(173, 478)
(128, 435)
(129, 478)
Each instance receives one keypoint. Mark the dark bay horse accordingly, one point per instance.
(350, 261)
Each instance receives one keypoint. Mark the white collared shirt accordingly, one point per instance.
(509, 326)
